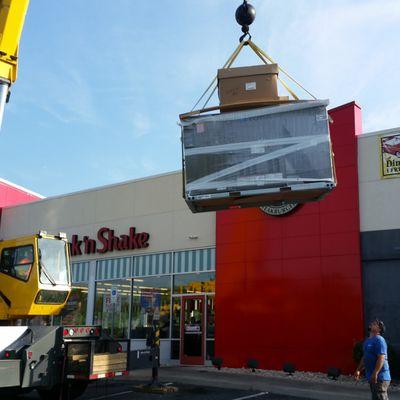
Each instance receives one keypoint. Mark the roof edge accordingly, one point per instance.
(351, 103)
(380, 132)
(23, 189)
(100, 187)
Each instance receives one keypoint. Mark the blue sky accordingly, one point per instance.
(101, 83)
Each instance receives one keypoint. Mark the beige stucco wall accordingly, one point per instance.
(154, 205)
(379, 198)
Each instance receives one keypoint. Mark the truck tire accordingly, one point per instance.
(76, 389)
(48, 394)
(71, 390)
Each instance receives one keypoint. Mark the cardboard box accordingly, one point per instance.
(246, 84)
(257, 157)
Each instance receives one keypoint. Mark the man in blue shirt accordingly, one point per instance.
(375, 361)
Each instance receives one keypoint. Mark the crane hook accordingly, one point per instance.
(245, 16)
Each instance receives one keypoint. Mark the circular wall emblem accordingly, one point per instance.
(279, 209)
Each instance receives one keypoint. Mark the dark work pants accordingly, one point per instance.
(379, 390)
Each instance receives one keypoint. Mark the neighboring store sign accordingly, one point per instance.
(150, 299)
(150, 302)
(114, 295)
(189, 328)
(109, 306)
(279, 209)
(108, 241)
(390, 155)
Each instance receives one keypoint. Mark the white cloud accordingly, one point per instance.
(149, 166)
(121, 169)
(342, 50)
(141, 124)
(63, 93)
(384, 117)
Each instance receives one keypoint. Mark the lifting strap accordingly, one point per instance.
(228, 63)
(265, 58)
(257, 49)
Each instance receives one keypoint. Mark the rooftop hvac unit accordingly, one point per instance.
(257, 157)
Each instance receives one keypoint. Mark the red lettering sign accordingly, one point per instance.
(76, 246)
(107, 241)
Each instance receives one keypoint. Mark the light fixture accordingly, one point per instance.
(333, 373)
(289, 368)
(217, 362)
(193, 237)
(253, 364)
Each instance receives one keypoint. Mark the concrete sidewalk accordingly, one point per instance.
(209, 376)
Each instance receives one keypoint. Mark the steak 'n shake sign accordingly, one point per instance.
(107, 241)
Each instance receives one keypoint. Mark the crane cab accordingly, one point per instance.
(35, 276)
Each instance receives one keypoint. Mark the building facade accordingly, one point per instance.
(299, 273)
(380, 229)
(237, 284)
(140, 240)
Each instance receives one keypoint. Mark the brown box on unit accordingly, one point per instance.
(246, 84)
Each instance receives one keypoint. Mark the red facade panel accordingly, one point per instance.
(288, 288)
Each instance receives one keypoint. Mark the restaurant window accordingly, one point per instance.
(151, 300)
(176, 317)
(112, 307)
(210, 327)
(202, 282)
(175, 349)
(210, 317)
(74, 312)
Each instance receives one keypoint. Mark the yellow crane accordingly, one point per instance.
(34, 271)
(12, 18)
(34, 276)
(35, 279)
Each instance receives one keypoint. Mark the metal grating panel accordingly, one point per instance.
(114, 268)
(258, 156)
(194, 261)
(80, 272)
(152, 264)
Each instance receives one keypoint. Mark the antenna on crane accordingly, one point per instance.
(245, 16)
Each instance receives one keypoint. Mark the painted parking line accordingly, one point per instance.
(111, 395)
(251, 396)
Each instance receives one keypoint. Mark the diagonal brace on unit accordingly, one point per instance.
(300, 143)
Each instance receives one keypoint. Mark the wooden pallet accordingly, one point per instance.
(103, 363)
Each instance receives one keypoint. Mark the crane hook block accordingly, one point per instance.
(245, 15)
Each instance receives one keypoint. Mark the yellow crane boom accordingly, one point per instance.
(12, 18)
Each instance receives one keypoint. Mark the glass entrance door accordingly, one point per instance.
(192, 330)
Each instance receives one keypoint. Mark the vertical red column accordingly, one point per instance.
(288, 289)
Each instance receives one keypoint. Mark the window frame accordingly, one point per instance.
(110, 283)
(141, 280)
(14, 248)
(184, 275)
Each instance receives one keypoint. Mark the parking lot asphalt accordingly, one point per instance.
(211, 384)
(291, 387)
(125, 390)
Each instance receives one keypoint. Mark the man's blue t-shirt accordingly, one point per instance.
(373, 347)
